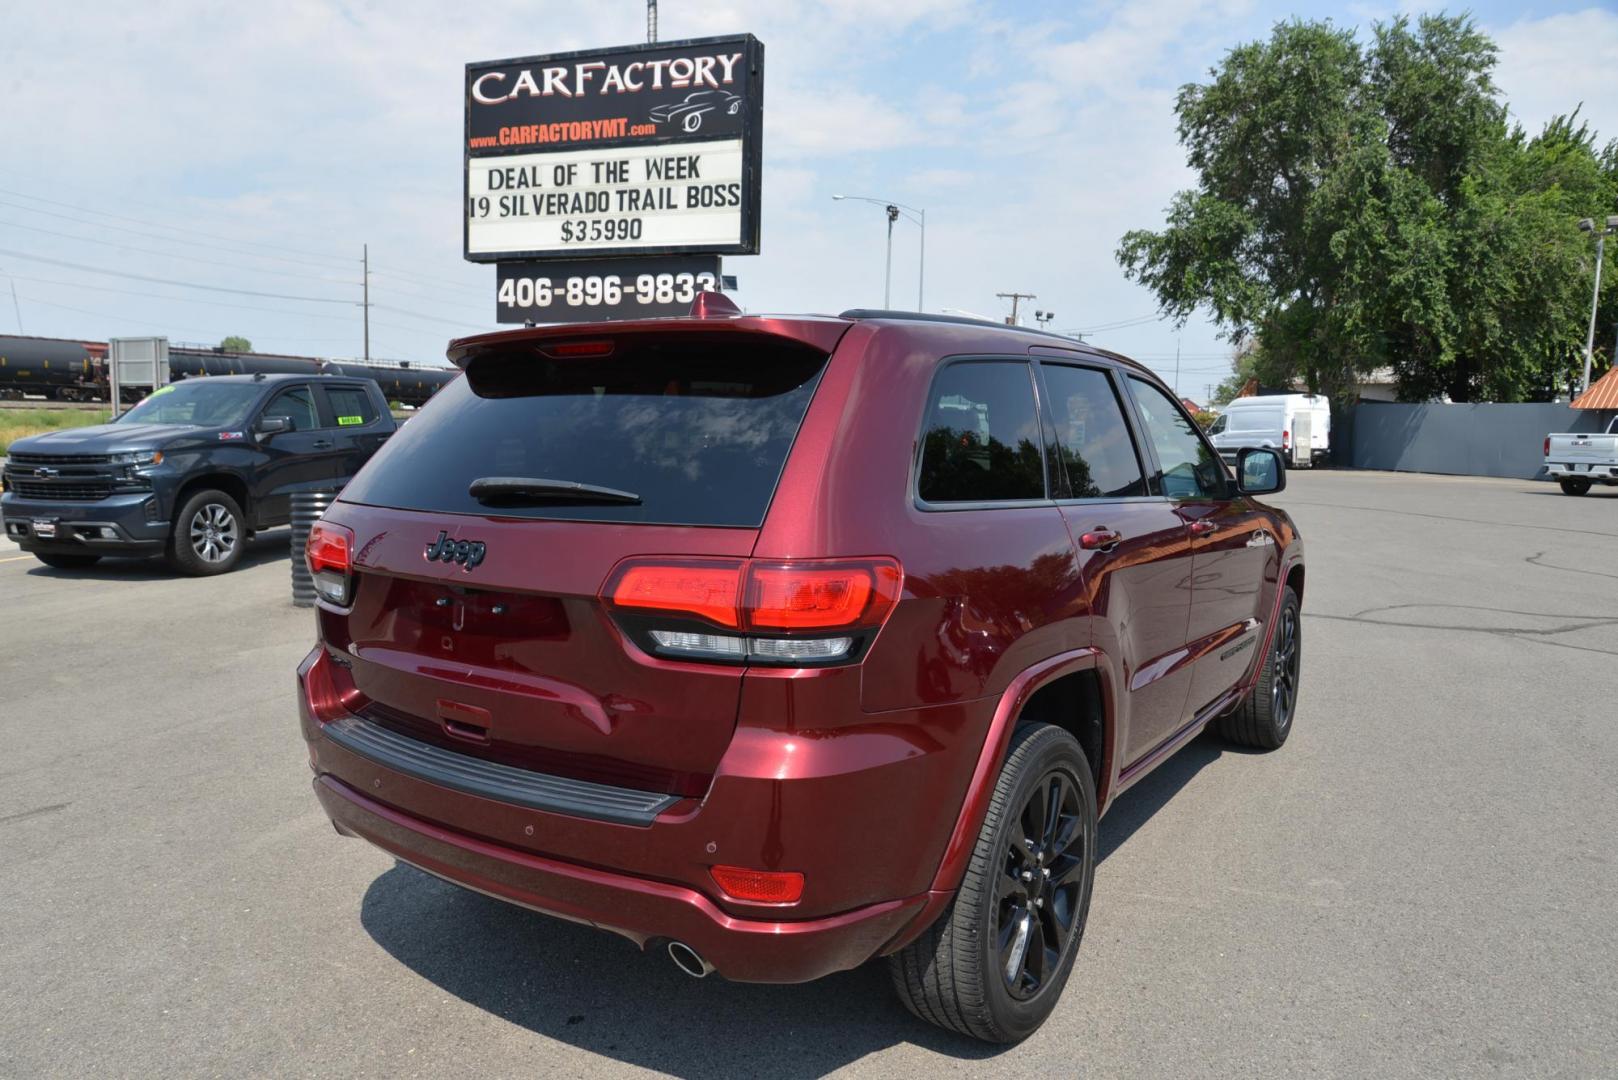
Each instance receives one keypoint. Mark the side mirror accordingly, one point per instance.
(273, 425)
(1260, 471)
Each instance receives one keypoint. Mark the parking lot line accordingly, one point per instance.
(17, 558)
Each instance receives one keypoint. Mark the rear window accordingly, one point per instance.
(699, 430)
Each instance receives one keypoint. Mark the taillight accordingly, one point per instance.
(330, 553)
(1286, 439)
(707, 589)
(759, 886)
(787, 613)
(1547, 446)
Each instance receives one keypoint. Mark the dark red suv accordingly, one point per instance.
(781, 644)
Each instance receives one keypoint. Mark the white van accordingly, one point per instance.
(1298, 425)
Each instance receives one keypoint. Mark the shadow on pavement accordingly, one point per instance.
(266, 547)
(596, 991)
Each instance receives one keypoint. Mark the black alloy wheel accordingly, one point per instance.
(993, 965)
(1038, 891)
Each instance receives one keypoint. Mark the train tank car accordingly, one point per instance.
(56, 369)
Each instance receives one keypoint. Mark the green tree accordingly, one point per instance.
(236, 343)
(1362, 206)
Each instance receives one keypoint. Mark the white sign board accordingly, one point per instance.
(584, 201)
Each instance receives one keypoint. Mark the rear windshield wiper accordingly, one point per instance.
(536, 489)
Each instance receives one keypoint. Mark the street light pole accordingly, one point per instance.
(895, 211)
(887, 276)
(1588, 225)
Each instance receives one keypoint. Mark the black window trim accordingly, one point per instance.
(1150, 449)
(920, 442)
(1126, 406)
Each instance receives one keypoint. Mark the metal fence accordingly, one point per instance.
(1462, 440)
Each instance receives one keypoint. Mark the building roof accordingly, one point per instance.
(1603, 393)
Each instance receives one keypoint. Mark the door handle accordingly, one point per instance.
(1100, 538)
(1203, 528)
(322, 444)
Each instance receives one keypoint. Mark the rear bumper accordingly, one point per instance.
(747, 950)
(1559, 470)
(119, 525)
(863, 811)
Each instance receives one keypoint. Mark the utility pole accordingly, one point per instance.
(14, 305)
(651, 20)
(1014, 297)
(1601, 233)
(1176, 367)
(367, 286)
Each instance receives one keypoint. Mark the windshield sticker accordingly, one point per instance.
(230, 436)
(350, 421)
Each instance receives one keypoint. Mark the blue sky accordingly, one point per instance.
(256, 147)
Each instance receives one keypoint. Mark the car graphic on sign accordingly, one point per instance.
(689, 113)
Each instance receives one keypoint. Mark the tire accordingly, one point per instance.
(1574, 485)
(1264, 719)
(692, 122)
(954, 974)
(66, 562)
(209, 534)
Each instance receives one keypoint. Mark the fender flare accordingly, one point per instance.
(975, 805)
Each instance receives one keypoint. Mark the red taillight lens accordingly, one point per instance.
(1547, 446)
(708, 589)
(759, 886)
(820, 596)
(330, 554)
(1286, 439)
(330, 547)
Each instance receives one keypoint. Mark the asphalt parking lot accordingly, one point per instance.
(1422, 882)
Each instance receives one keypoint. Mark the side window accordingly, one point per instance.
(1218, 425)
(1190, 469)
(981, 440)
(1092, 439)
(351, 405)
(297, 405)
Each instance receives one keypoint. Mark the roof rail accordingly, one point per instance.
(962, 320)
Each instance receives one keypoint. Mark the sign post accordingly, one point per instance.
(606, 182)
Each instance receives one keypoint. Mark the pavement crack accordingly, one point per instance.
(1536, 560)
(1609, 533)
(35, 812)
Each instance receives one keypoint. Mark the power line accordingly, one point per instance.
(234, 250)
(176, 228)
(121, 246)
(171, 281)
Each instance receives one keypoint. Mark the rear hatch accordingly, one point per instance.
(475, 623)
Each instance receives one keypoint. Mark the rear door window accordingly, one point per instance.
(1092, 438)
(699, 430)
(981, 439)
(350, 405)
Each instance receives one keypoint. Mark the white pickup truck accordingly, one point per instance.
(1579, 459)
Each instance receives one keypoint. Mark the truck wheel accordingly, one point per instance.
(208, 534)
(66, 562)
(1574, 485)
(995, 962)
(1264, 719)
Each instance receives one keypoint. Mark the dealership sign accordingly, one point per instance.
(642, 151)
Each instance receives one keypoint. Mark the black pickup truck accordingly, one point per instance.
(192, 471)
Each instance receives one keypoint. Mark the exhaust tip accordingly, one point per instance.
(688, 960)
